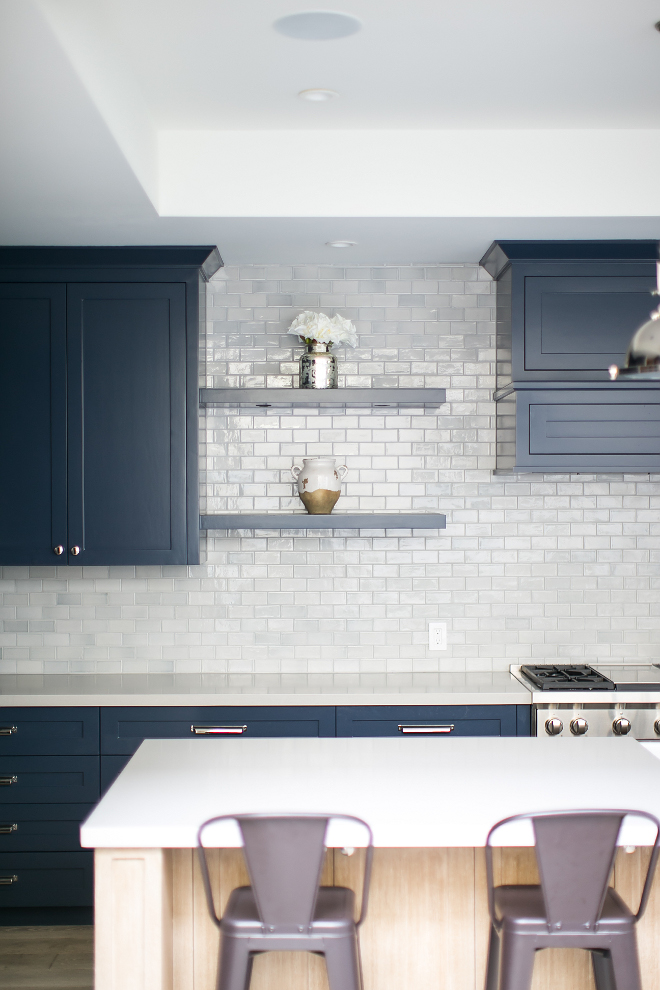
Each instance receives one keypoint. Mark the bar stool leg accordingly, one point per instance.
(342, 960)
(601, 961)
(517, 962)
(235, 964)
(625, 963)
(493, 965)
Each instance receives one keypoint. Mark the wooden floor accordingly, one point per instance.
(47, 958)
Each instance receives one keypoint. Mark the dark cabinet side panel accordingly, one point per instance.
(127, 423)
(33, 418)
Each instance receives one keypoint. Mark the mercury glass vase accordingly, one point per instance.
(318, 367)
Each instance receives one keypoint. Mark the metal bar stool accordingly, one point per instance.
(285, 907)
(572, 907)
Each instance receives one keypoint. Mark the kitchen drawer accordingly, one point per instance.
(45, 779)
(41, 827)
(56, 731)
(61, 879)
(414, 721)
(123, 729)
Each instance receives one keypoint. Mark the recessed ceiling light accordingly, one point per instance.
(317, 25)
(340, 244)
(317, 95)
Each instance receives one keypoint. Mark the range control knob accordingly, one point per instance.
(579, 726)
(656, 726)
(555, 725)
(621, 726)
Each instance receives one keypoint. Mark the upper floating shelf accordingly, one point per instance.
(267, 397)
(336, 520)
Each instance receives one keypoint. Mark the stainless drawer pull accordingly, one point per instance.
(426, 730)
(218, 730)
(5, 881)
(7, 781)
(8, 730)
(6, 829)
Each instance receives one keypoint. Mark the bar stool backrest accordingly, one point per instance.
(284, 857)
(575, 855)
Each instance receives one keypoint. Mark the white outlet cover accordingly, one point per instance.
(437, 635)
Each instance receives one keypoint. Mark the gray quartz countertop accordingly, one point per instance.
(476, 688)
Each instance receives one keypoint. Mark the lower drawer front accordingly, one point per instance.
(123, 729)
(438, 722)
(39, 828)
(61, 879)
(45, 779)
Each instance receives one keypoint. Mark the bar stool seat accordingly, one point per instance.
(523, 908)
(333, 914)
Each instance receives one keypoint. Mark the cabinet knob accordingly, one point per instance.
(75, 551)
(59, 549)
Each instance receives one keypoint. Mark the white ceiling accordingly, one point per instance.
(88, 87)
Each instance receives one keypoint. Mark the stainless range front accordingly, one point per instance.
(593, 700)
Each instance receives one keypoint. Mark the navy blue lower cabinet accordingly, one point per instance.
(46, 779)
(56, 731)
(62, 879)
(123, 729)
(425, 720)
(41, 827)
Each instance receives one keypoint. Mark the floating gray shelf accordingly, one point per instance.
(338, 520)
(265, 397)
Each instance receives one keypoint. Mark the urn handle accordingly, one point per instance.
(295, 471)
(342, 467)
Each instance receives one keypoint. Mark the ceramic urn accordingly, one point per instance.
(319, 483)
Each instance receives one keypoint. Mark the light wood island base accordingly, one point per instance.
(427, 926)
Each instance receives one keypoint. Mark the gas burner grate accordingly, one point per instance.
(566, 677)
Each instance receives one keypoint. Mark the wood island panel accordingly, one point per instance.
(427, 924)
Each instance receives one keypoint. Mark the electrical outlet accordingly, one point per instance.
(437, 635)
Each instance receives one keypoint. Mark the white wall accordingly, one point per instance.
(554, 567)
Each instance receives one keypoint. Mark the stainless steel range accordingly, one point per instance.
(577, 700)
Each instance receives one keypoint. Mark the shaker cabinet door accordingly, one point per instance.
(33, 446)
(127, 423)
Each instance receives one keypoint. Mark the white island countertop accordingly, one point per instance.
(237, 690)
(413, 791)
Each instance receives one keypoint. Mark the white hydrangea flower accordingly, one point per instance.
(310, 326)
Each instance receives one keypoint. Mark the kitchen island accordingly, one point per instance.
(430, 803)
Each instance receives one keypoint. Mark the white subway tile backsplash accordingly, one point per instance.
(549, 568)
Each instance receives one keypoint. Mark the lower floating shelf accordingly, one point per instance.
(348, 520)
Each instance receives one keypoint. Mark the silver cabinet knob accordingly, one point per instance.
(579, 726)
(621, 726)
(656, 726)
(75, 551)
(554, 726)
(59, 549)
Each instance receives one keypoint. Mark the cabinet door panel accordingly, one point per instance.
(127, 423)
(63, 879)
(55, 731)
(447, 721)
(33, 417)
(123, 729)
(597, 430)
(45, 779)
(41, 827)
(582, 323)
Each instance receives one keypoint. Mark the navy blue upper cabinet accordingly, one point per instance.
(566, 310)
(98, 394)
